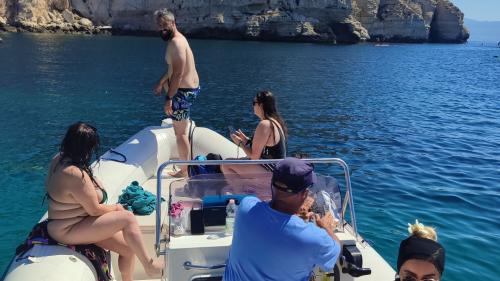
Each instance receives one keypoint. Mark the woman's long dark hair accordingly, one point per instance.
(79, 143)
(268, 101)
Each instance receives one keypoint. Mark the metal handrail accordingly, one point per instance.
(348, 198)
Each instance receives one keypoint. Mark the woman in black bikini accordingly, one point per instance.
(77, 213)
(268, 141)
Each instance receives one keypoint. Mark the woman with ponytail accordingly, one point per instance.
(421, 257)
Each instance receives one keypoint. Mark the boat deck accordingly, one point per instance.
(147, 225)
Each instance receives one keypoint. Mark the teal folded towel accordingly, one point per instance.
(137, 200)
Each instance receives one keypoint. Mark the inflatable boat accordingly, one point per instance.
(195, 247)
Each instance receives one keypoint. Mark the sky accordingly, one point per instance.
(483, 10)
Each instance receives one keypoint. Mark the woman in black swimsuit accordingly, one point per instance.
(268, 141)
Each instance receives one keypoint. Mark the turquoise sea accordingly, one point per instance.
(418, 124)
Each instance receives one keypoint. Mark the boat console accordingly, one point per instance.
(199, 250)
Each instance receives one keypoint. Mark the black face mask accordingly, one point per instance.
(166, 34)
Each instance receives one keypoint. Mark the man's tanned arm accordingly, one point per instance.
(164, 79)
(159, 86)
(328, 224)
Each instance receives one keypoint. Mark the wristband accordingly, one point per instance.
(249, 142)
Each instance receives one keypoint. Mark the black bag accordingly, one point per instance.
(194, 170)
(214, 169)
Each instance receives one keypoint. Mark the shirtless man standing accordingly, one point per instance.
(181, 81)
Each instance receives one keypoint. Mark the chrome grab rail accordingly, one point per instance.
(348, 198)
(188, 265)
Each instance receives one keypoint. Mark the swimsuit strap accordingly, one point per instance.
(277, 150)
(103, 200)
(282, 136)
(104, 195)
(272, 131)
(47, 195)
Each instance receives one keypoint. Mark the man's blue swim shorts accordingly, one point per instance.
(182, 102)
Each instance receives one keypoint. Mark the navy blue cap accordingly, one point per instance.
(293, 175)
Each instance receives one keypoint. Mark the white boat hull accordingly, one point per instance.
(51, 263)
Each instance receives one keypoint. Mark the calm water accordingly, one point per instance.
(418, 124)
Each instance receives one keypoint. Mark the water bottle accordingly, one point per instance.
(230, 216)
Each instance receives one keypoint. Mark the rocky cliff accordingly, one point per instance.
(343, 21)
(42, 16)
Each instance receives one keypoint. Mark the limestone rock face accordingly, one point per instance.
(395, 20)
(31, 14)
(42, 16)
(412, 20)
(68, 16)
(345, 21)
(3, 22)
(59, 5)
(448, 25)
(3, 19)
(85, 22)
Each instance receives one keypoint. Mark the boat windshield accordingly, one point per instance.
(195, 191)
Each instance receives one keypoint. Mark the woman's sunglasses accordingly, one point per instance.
(255, 102)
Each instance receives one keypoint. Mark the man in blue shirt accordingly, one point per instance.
(270, 242)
